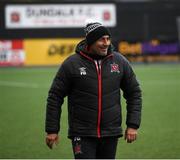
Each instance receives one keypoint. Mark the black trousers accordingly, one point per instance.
(94, 148)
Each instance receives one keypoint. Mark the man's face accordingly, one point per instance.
(101, 46)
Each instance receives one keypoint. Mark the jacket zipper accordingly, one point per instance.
(99, 73)
(98, 69)
(98, 65)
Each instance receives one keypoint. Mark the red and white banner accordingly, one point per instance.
(58, 15)
(11, 53)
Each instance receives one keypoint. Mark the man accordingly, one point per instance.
(92, 79)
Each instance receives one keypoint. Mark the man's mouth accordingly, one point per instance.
(103, 49)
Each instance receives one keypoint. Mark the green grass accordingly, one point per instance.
(23, 93)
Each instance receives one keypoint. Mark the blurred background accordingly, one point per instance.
(37, 35)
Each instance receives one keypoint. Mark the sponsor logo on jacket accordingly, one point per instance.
(82, 71)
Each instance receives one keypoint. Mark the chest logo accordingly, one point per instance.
(82, 71)
(115, 68)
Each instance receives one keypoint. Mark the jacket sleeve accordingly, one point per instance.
(58, 90)
(132, 94)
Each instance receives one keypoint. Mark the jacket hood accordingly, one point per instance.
(82, 47)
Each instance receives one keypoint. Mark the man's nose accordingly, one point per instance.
(106, 42)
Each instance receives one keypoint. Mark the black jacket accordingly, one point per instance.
(93, 90)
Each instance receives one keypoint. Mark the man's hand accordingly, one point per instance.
(130, 135)
(52, 139)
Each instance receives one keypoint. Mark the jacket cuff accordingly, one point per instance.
(52, 132)
(134, 126)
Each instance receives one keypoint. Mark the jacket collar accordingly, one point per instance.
(82, 49)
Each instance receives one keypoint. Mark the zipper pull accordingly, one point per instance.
(99, 62)
(98, 65)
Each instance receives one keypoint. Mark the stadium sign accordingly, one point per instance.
(11, 53)
(49, 51)
(153, 47)
(58, 15)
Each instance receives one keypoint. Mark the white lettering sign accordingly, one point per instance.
(58, 16)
